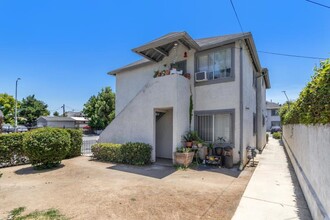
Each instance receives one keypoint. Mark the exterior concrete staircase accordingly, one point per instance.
(137, 121)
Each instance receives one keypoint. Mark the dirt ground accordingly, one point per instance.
(84, 189)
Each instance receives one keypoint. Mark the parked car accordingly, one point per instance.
(275, 129)
(7, 128)
(21, 128)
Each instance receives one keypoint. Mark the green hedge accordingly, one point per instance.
(46, 147)
(11, 149)
(75, 142)
(107, 152)
(277, 135)
(129, 153)
(136, 153)
(313, 104)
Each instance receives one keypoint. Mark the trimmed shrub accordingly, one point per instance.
(136, 153)
(46, 147)
(129, 153)
(75, 142)
(107, 152)
(277, 135)
(11, 149)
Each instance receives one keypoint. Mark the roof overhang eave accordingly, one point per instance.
(182, 38)
(266, 77)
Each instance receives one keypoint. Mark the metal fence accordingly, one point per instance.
(86, 147)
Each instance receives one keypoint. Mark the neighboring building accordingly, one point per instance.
(74, 114)
(273, 118)
(228, 95)
(62, 122)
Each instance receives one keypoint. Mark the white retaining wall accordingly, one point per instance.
(309, 151)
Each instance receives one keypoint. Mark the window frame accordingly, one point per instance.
(276, 112)
(215, 112)
(220, 79)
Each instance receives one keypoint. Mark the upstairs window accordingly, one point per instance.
(274, 112)
(216, 63)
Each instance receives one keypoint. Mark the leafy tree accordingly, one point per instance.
(56, 113)
(313, 103)
(100, 109)
(32, 108)
(7, 106)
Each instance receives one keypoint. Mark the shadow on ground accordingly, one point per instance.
(31, 170)
(161, 171)
(233, 172)
(303, 210)
(154, 171)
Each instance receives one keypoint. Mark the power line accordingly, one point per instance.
(273, 53)
(232, 5)
(292, 55)
(316, 3)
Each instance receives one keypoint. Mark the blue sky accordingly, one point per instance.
(62, 50)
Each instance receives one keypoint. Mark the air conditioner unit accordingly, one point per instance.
(200, 76)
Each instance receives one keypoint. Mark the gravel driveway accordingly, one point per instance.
(84, 189)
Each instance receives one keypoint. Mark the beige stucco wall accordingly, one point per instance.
(137, 122)
(309, 148)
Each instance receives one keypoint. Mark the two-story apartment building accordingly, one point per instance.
(225, 95)
(273, 118)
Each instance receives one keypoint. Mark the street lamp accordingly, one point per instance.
(16, 104)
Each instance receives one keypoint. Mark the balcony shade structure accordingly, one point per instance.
(157, 49)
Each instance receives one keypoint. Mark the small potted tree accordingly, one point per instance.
(183, 156)
(188, 139)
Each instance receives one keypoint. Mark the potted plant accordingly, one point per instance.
(200, 143)
(188, 138)
(183, 156)
(210, 149)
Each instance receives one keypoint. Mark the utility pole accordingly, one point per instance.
(287, 98)
(16, 104)
(63, 106)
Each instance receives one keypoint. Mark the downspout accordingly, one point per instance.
(241, 149)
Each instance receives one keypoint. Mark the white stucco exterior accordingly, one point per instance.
(137, 123)
(129, 83)
(139, 95)
(308, 149)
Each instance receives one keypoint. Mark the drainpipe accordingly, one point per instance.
(241, 149)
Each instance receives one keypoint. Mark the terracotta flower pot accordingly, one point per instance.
(184, 159)
(187, 75)
(189, 144)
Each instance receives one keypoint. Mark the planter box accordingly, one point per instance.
(183, 159)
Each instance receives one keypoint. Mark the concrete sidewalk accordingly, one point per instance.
(273, 191)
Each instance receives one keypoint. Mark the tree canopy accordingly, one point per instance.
(313, 103)
(32, 108)
(7, 106)
(56, 113)
(100, 109)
